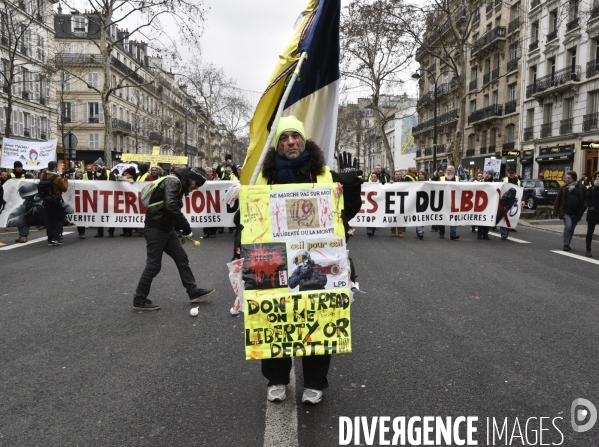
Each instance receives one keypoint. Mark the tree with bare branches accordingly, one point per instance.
(375, 50)
(114, 22)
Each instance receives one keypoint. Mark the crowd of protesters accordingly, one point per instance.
(98, 171)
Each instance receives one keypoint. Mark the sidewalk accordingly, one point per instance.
(557, 226)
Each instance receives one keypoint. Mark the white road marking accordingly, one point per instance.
(520, 241)
(33, 241)
(281, 419)
(582, 258)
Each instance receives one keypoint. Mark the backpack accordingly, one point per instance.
(148, 191)
(45, 188)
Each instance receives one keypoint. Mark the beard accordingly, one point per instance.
(449, 176)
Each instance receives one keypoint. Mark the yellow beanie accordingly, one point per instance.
(289, 123)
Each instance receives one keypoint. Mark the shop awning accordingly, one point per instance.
(553, 158)
(477, 162)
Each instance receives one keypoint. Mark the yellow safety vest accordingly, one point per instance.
(443, 179)
(142, 178)
(325, 177)
(505, 180)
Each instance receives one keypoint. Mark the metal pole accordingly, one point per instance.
(435, 128)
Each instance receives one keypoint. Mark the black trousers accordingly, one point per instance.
(54, 219)
(101, 230)
(590, 231)
(158, 242)
(315, 370)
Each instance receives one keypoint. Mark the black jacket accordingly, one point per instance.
(168, 214)
(560, 201)
(593, 205)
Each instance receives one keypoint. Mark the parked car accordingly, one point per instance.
(539, 192)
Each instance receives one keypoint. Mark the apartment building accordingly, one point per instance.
(491, 127)
(151, 110)
(561, 104)
(26, 37)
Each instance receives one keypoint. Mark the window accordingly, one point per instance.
(511, 133)
(530, 117)
(534, 32)
(26, 75)
(515, 12)
(474, 73)
(493, 137)
(593, 102)
(473, 106)
(553, 20)
(511, 92)
(573, 10)
(551, 67)
(78, 24)
(568, 108)
(2, 119)
(94, 141)
(41, 49)
(92, 81)
(514, 52)
(547, 113)
(471, 141)
(495, 97)
(93, 113)
(486, 101)
(572, 59)
(483, 138)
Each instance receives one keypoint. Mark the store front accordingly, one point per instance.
(527, 161)
(590, 149)
(555, 161)
(473, 165)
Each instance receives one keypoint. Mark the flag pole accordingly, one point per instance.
(275, 123)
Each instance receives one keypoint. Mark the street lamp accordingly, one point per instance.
(417, 75)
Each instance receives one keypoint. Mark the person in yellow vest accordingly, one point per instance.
(143, 175)
(449, 177)
(18, 172)
(294, 159)
(89, 173)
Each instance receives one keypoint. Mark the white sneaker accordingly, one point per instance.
(311, 396)
(276, 393)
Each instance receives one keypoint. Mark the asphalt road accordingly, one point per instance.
(492, 329)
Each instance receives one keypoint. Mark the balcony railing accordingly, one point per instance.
(25, 95)
(533, 45)
(495, 73)
(441, 149)
(491, 149)
(80, 58)
(512, 65)
(546, 130)
(510, 106)
(486, 78)
(508, 146)
(120, 124)
(428, 151)
(490, 37)
(425, 98)
(470, 152)
(592, 68)
(589, 122)
(42, 100)
(552, 35)
(473, 85)
(42, 135)
(528, 133)
(572, 24)
(26, 132)
(441, 119)
(560, 77)
(565, 126)
(594, 12)
(485, 113)
(94, 119)
(483, 150)
(418, 153)
(513, 25)
(534, 4)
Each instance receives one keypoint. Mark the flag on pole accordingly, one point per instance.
(314, 97)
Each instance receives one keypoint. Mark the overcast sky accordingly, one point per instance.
(245, 37)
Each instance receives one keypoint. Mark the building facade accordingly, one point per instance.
(26, 96)
(151, 109)
(493, 84)
(561, 98)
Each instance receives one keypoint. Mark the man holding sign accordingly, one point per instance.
(297, 160)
